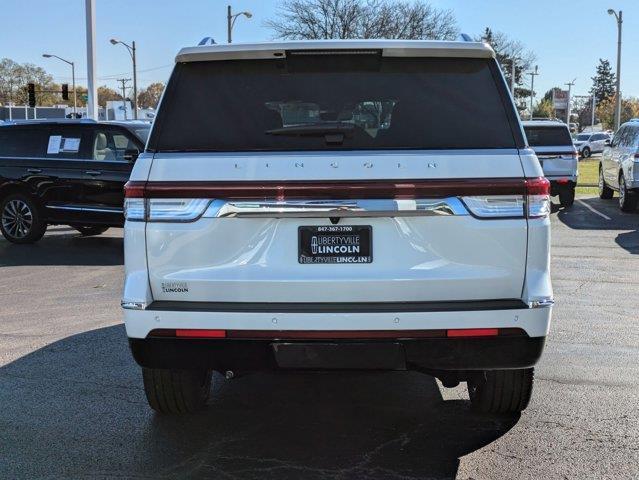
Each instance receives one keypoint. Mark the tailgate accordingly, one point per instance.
(416, 238)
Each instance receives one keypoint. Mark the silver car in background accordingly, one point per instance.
(592, 142)
(553, 145)
(619, 167)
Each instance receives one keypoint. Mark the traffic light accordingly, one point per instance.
(65, 91)
(31, 91)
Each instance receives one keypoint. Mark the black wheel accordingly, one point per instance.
(89, 231)
(586, 152)
(176, 391)
(567, 196)
(627, 198)
(605, 191)
(501, 391)
(21, 221)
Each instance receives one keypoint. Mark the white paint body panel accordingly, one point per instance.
(535, 321)
(389, 48)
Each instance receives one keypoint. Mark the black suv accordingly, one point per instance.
(65, 172)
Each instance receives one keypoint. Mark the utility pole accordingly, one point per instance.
(570, 85)
(532, 74)
(92, 89)
(619, 17)
(123, 81)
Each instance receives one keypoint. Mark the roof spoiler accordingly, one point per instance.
(464, 37)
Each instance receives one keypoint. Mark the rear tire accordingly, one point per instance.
(20, 219)
(627, 198)
(567, 196)
(605, 191)
(90, 231)
(176, 391)
(586, 152)
(501, 391)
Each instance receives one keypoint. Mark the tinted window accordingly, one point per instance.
(22, 142)
(548, 136)
(110, 145)
(332, 102)
(584, 137)
(67, 142)
(142, 133)
(630, 137)
(617, 138)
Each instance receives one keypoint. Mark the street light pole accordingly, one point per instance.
(619, 17)
(230, 21)
(131, 49)
(75, 99)
(92, 89)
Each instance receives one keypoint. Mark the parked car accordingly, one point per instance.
(589, 143)
(557, 155)
(618, 167)
(269, 225)
(68, 172)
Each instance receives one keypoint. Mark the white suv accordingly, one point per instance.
(337, 205)
(589, 143)
(557, 155)
(619, 167)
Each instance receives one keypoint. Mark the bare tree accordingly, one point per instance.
(338, 19)
(506, 50)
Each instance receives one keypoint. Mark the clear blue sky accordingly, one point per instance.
(568, 36)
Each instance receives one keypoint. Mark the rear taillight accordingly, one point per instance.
(496, 206)
(534, 204)
(138, 208)
(538, 197)
(484, 198)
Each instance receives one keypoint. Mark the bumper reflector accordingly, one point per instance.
(473, 332)
(193, 333)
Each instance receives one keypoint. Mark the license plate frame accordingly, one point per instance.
(334, 244)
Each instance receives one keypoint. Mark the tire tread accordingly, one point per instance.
(502, 391)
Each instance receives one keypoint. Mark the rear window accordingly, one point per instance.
(548, 136)
(23, 141)
(334, 102)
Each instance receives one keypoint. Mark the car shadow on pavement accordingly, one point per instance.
(64, 247)
(597, 214)
(76, 408)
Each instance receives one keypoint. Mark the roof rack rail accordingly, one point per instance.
(464, 37)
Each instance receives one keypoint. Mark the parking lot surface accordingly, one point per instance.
(72, 404)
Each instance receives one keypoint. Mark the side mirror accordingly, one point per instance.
(607, 142)
(131, 154)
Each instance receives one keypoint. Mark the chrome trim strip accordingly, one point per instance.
(53, 159)
(541, 303)
(336, 208)
(86, 209)
(132, 305)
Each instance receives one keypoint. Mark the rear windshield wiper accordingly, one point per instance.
(333, 132)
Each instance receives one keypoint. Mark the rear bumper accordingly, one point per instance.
(455, 354)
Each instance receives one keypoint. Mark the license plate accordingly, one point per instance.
(335, 244)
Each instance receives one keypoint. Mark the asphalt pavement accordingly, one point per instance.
(72, 404)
